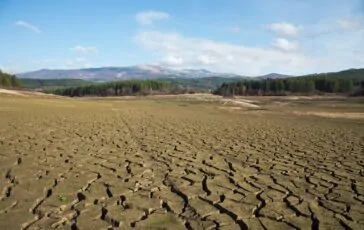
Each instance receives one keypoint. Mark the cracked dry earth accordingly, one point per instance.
(67, 164)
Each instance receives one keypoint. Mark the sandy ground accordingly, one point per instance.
(11, 92)
(240, 103)
(147, 164)
(24, 93)
(334, 115)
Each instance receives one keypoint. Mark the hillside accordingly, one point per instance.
(349, 82)
(354, 74)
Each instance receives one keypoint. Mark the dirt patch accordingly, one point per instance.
(107, 164)
(239, 102)
(230, 108)
(32, 94)
(333, 114)
(11, 92)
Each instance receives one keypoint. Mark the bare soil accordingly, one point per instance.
(158, 163)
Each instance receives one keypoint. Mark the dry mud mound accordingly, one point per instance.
(10, 92)
(24, 93)
(148, 165)
(334, 114)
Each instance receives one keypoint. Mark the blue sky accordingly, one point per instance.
(249, 37)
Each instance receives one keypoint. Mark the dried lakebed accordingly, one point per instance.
(68, 164)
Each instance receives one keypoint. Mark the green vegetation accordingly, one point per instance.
(46, 83)
(353, 74)
(183, 84)
(343, 82)
(9, 80)
(199, 84)
(118, 88)
(62, 198)
(315, 84)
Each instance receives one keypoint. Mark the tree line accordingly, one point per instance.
(9, 80)
(40, 84)
(118, 88)
(294, 85)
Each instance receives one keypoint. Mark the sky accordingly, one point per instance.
(248, 37)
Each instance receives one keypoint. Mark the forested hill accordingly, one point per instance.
(354, 74)
(313, 84)
(8, 80)
(139, 87)
(344, 82)
(119, 88)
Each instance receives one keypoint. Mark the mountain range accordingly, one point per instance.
(131, 72)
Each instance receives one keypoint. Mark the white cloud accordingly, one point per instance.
(348, 24)
(28, 26)
(328, 52)
(175, 50)
(283, 28)
(173, 60)
(84, 49)
(148, 17)
(285, 45)
(207, 59)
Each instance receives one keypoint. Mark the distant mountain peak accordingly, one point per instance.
(129, 72)
(273, 76)
(153, 68)
(132, 72)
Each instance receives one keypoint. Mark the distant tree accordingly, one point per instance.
(333, 85)
(279, 85)
(346, 85)
(8, 80)
(310, 86)
(5, 81)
